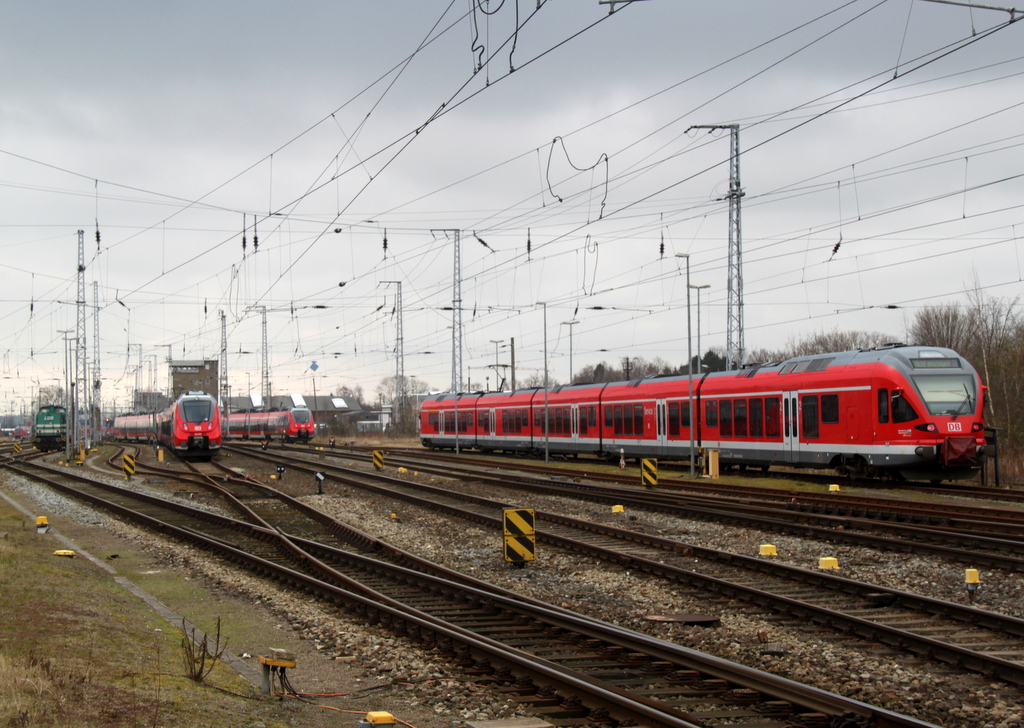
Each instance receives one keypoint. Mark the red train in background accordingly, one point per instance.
(901, 412)
(286, 425)
(191, 427)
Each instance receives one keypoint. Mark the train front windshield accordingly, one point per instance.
(947, 394)
(301, 416)
(197, 410)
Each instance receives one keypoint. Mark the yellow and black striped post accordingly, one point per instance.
(17, 448)
(378, 459)
(649, 472)
(128, 466)
(520, 535)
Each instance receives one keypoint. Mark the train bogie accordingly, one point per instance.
(895, 411)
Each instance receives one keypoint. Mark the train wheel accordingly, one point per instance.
(765, 468)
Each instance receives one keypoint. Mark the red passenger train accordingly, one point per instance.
(897, 411)
(190, 427)
(287, 425)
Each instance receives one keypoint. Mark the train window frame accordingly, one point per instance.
(902, 412)
(809, 415)
(883, 405)
(725, 417)
(773, 418)
(830, 409)
(756, 417)
(739, 418)
(711, 413)
(638, 420)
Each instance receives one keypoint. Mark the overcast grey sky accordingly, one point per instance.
(892, 128)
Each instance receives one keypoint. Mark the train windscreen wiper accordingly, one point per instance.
(967, 400)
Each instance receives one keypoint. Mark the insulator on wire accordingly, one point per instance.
(661, 250)
(528, 243)
(255, 235)
(385, 242)
(244, 241)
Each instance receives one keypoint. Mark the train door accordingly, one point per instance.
(790, 427)
(661, 426)
(493, 423)
(574, 425)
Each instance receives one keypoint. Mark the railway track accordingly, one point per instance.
(974, 639)
(995, 545)
(568, 667)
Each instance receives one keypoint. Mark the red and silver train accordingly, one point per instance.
(896, 411)
(286, 425)
(190, 427)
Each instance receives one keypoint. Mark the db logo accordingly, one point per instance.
(955, 427)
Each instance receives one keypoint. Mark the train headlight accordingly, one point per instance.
(929, 427)
(977, 427)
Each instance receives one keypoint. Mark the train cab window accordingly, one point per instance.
(725, 417)
(740, 417)
(673, 419)
(771, 417)
(883, 406)
(756, 418)
(830, 409)
(618, 419)
(638, 420)
(711, 413)
(197, 411)
(809, 414)
(902, 411)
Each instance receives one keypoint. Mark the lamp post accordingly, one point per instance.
(545, 420)
(570, 324)
(698, 289)
(497, 385)
(689, 357)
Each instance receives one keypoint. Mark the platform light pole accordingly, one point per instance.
(545, 420)
(570, 324)
(698, 289)
(689, 357)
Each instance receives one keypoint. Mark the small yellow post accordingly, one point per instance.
(768, 549)
(973, 580)
(713, 464)
(833, 488)
(618, 509)
(828, 562)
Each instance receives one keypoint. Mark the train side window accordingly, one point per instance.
(725, 417)
(740, 417)
(809, 414)
(785, 413)
(686, 414)
(756, 418)
(883, 406)
(771, 417)
(673, 419)
(583, 422)
(627, 418)
(618, 419)
(711, 413)
(608, 409)
(830, 409)
(902, 411)
(638, 420)
(557, 429)
(551, 419)
(593, 415)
